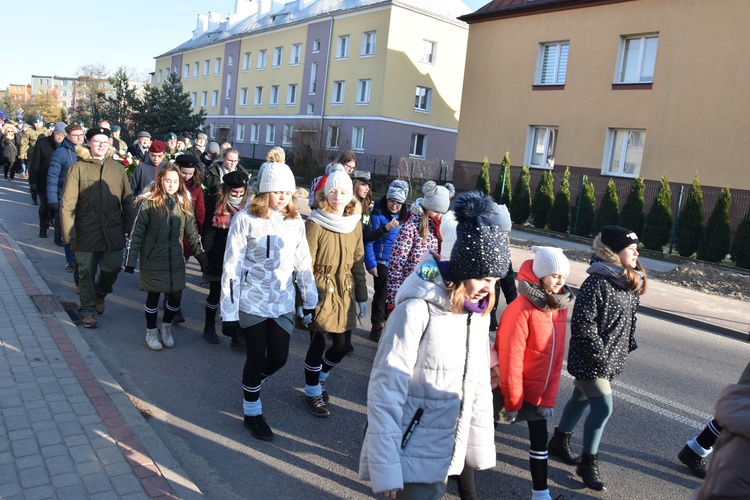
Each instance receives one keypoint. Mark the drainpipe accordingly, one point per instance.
(325, 80)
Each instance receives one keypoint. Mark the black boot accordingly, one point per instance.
(589, 472)
(376, 331)
(238, 342)
(209, 334)
(559, 446)
(348, 341)
(42, 232)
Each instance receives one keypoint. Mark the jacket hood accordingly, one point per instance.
(426, 283)
(603, 252)
(84, 153)
(526, 273)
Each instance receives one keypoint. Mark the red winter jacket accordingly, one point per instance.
(530, 345)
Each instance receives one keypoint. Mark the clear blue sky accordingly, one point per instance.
(55, 38)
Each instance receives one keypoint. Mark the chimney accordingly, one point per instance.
(303, 4)
(214, 20)
(201, 27)
(242, 10)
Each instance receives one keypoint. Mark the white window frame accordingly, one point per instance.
(254, 133)
(158, 76)
(313, 78)
(414, 150)
(270, 133)
(369, 39)
(555, 71)
(204, 98)
(363, 91)
(291, 94)
(244, 91)
(247, 61)
(240, 132)
(286, 138)
(541, 146)
(215, 99)
(296, 54)
(423, 99)
(310, 108)
(333, 137)
(620, 154)
(230, 60)
(196, 69)
(358, 139)
(641, 58)
(206, 67)
(258, 96)
(228, 92)
(193, 99)
(342, 47)
(278, 57)
(429, 48)
(338, 91)
(273, 97)
(316, 46)
(186, 71)
(217, 66)
(261, 64)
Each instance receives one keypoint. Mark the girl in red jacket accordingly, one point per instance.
(530, 346)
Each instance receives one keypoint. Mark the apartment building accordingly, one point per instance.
(67, 88)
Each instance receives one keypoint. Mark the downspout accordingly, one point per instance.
(325, 80)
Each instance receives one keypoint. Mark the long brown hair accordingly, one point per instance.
(156, 194)
(260, 207)
(322, 204)
(222, 198)
(634, 280)
(458, 296)
(367, 200)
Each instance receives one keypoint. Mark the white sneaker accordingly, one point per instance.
(166, 334)
(152, 339)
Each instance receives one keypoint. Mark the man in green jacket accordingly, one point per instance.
(96, 214)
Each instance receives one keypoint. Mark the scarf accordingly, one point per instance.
(543, 300)
(479, 307)
(336, 223)
(436, 226)
(223, 218)
(613, 272)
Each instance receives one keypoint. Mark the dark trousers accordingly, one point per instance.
(508, 287)
(378, 298)
(45, 213)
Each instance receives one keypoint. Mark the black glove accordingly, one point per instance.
(129, 269)
(203, 262)
(230, 328)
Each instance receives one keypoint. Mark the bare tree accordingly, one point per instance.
(89, 92)
(315, 144)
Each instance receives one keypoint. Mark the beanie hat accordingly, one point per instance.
(235, 179)
(170, 136)
(59, 128)
(157, 147)
(97, 131)
(448, 225)
(437, 198)
(398, 191)
(335, 167)
(362, 176)
(339, 180)
(277, 177)
(213, 147)
(617, 238)
(143, 133)
(187, 161)
(477, 252)
(201, 136)
(501, 217)
(549, 260)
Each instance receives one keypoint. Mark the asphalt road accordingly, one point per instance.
(192, 397)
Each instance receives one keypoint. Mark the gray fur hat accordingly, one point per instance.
(398, 191)
(437, 198)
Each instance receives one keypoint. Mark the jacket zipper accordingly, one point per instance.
(170, 204)
(552, 357)
(463, 380)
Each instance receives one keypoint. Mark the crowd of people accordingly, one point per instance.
(438, 389)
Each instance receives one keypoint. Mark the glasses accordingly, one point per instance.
(393, 202)
(99, 143)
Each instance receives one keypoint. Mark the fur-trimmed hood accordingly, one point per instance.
(84, 153)
(603, 252)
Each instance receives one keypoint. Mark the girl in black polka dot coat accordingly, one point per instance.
(602, 334)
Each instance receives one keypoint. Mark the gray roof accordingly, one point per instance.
(291, 13)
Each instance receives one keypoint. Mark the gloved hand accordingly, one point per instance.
(545, 412)
(202, 261)
(306, 316)
(507, 417)
(53, 206)
(362, 309)
(230, 328)
(129, 269)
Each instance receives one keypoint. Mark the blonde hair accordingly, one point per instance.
(276, 155)
(323, 205)
(260, 207)
(458, 296)
(158, 196)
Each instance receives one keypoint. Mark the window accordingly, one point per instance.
(358, 138)
(332, 139)
(206, 65)
(296, 54)
(363, 91)
(246, 61)
(270, 133)
(338, 93)
(193, 99)
(65, 93)
(158, 76)
(196, 69)
(273, 100)
(174, 69)
(291, 94)
(541, 146)
(418, 143)
(624, 152)
(228, 92)
(310, 108)
(316, 46)
(286, 140)
(637, 58)
(422, 99)
(243, 96)
(214, 98)
(278, 54)
(240, 132)
(342, 47)
(552, 63)
(428, 52)
(254, 132)
(258, 99)
(204, 98)
(313, 77)
(217, 66)
(230, 60)
(368, 44)
(261, 59)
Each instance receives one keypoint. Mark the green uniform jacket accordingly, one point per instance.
(97, 204)
(28, 141)
(157, 241)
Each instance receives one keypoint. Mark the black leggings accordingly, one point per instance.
(152, 307)
(317, 361)
(267, 352)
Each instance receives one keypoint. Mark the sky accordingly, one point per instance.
(57, 38)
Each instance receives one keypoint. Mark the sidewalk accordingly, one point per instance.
(67, 429)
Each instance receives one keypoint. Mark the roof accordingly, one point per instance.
(498, 9)
(292, 12)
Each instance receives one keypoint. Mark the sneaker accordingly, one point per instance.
(99, 306)
(178, 318)
(258, 427)
(89, 322)
(696, 463)
(69, 267)
(152, 339)
(165, 329)
(238, 342)
(325, 393)
(317, 406)
(209, 335)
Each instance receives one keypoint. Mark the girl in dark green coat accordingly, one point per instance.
(164, 215)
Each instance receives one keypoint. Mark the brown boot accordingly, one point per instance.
(89, 322)
(99, 306)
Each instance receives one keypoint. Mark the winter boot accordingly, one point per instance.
(166, 334)
(238, 341)
(696, 463)
(589, 471)
(258, 427)
(559, 446)
(152, 339)
(209, 334)
(376, 332)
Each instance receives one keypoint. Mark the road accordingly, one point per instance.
(191, 395)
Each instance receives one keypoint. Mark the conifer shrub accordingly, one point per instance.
(690, 221)
(741, 245)
(714, 245)
(559, 214)
(543, 198)
(483, 181)
(502, 194)
(658, 227)
(608, 212)
(633, 215)
(520, 204)
(586, 212)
